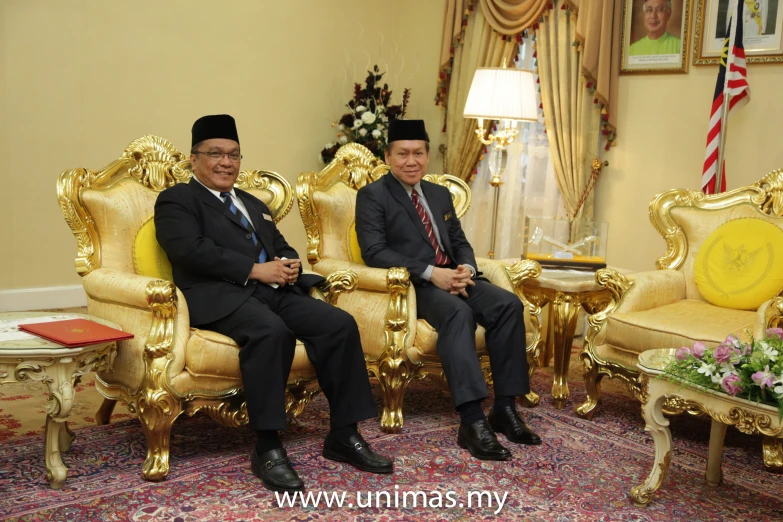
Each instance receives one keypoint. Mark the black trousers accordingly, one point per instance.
(266, 327)
(454, 317)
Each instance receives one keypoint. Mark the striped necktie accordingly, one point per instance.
(441, 259)
(228, 200)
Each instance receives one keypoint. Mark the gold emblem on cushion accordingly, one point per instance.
(739, 265)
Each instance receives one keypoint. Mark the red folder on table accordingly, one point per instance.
(75, 332)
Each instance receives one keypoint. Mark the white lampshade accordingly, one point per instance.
(497, 94)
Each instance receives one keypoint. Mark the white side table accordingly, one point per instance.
(660, 391)
(60, 369)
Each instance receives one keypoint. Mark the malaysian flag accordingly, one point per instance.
(732, 80)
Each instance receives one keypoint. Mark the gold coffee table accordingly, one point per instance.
(60, 369)
(660, 391)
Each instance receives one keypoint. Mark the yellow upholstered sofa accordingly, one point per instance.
(664, 308)
(168, 368)
(397, 346)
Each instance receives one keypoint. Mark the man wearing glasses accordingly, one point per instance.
(242, 279)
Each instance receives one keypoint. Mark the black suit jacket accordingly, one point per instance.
(390, 231)
(211, 253)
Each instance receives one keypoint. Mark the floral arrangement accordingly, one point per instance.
(368, 119)
(752, 370)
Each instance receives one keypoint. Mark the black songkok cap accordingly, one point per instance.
(407, 130)
(214, 126)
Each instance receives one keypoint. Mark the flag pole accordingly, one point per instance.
(723, 127)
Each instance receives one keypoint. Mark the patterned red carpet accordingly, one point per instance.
(583, 471)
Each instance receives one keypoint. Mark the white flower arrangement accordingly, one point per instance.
(367, 121)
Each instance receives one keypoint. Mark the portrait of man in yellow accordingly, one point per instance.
(658, 40)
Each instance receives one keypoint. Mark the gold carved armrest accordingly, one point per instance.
(509, 277)
(368, 278)
(124, 288)
(336, 283)
(379, 291)
(152, 309)
(614, 290)
(651, 290)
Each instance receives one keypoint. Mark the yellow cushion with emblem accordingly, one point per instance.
(740, 265)
(354, 249)
(149, 259)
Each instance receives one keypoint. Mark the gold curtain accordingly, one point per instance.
(511, 17)
(452, 30)
(482, 47)
(484, 37)
(572, 119)
(598, 32)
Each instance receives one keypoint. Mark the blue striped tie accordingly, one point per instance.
(262, 257)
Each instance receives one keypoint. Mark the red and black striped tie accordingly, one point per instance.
(441, 259)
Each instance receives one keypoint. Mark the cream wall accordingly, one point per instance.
(79, 80)
(662, 130)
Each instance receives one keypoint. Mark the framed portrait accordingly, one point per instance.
(762, 30)
(655, 36)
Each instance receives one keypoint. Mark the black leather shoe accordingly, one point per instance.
(509, 423)
(275, 470)
(479, 439)
(356, 452)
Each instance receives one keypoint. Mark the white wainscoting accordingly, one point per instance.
(23, 299)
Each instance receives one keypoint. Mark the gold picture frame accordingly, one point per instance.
(655, 42)
(763, 36)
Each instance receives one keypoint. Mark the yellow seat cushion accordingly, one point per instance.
(674, 325)
(740, 265)
(149, 259)
(210, 354)
(353, 245)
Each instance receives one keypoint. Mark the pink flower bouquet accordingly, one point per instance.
(751, 370)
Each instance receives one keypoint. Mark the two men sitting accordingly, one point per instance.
(242, 279)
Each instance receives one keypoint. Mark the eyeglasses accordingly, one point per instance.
(217, 156)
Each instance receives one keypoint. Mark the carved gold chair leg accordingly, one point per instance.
(773, 454)
(592, 378)
(103, 415)
(393, 376)
(298, 396)
(157, 412)
(530, 400)
(392, 419)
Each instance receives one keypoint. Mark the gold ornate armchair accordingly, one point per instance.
(168, 368)
(397, 346)
(663, 308)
